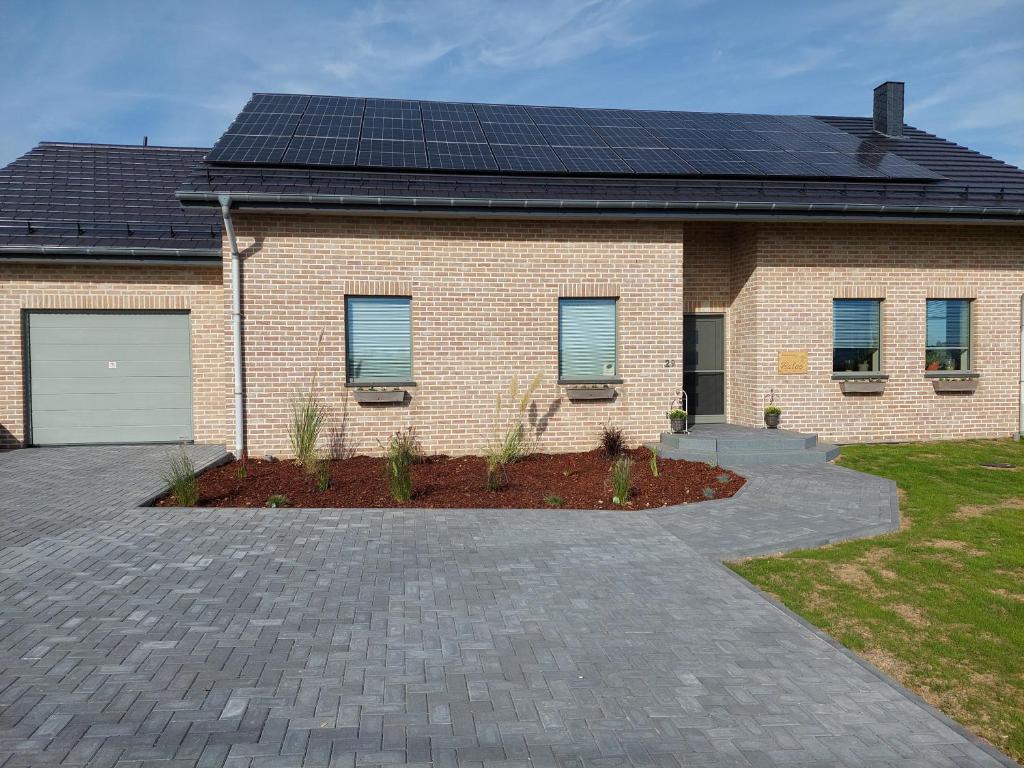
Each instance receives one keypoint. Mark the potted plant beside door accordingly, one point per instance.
(771, 416)
(677, 420)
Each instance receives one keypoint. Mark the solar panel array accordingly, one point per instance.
(345, 132)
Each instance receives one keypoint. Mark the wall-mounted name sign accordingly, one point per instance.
(793, 362)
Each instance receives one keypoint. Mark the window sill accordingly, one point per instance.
(861, 385)
(953, 381)
(577, 392)
(590, 382)
(380, 394)
(859, 376)
(952, 375)
(379, 384)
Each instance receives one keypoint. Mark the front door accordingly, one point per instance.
(704, 366)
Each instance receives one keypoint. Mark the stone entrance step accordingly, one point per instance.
(727, 444)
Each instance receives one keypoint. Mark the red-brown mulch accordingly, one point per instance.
(579, 479)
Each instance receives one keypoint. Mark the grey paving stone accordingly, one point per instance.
(137, 636)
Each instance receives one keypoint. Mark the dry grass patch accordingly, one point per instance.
(956, 546)
(970, 511)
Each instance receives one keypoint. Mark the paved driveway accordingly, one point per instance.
(376, 637)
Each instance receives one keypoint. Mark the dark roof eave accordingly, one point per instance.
(267, 202)
(66, 254)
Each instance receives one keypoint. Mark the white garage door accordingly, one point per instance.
(109, 377)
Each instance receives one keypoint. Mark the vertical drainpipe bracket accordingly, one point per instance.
(236, 326)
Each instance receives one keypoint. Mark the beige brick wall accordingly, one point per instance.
(74, 287)
(787, 305)
(484, 310)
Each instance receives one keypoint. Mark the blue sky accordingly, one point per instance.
(179, 71)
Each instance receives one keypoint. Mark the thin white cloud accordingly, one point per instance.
(799, 62)
(916, 18)
(387, 42)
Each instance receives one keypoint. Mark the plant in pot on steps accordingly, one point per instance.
(677, 420)
(771, 416)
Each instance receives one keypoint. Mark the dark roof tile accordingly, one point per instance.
(102, 196)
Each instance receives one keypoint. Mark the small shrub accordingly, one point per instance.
(554, 500)
(772, 410)
(709, 493)
(613, 442)
(308, 418)
(402, 452)
(654, 462)
(322, 475)
(180, 476)
(676, 413)
(621, 473)
(723, 478)
(278, 500)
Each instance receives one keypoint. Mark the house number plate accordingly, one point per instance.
(793, 362)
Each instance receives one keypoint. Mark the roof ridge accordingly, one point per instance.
(532, 106)
(108, 145)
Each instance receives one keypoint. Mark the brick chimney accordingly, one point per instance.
(888, 113)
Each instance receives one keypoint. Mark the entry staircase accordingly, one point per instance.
(730, 444)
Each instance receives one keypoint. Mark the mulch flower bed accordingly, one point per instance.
(578, 480)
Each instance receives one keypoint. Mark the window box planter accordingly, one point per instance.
(953, 381)
(380, 396)
(861, 383)
(577, 392)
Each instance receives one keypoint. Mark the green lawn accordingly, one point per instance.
(940, 604)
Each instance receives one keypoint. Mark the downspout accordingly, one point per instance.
(1020, 426)
(236, 326)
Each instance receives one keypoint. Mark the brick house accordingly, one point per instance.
(412, 258)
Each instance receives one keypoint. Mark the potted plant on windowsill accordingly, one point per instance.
(771, 416)
(677, 420)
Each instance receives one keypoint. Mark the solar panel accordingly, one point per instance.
(453, 130)
(319, 150)
(328, 125)
(264, 124)
(388, 153)
(337, 131)
(440, 110)
(556, 116)
(512, 157)
(778, 163)
(628, 136)
(394, 128)
(591, 160)
(461, 156)
(514, 133)
(335, 105)
(571, 136)
(656, 161)
(241, 148)
(277, 102)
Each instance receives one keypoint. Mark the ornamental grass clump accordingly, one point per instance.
(402, 452)
(620, 474)
(308, 418)
(613, 442)
(512, 439)
(180, 477)
(322, 475)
